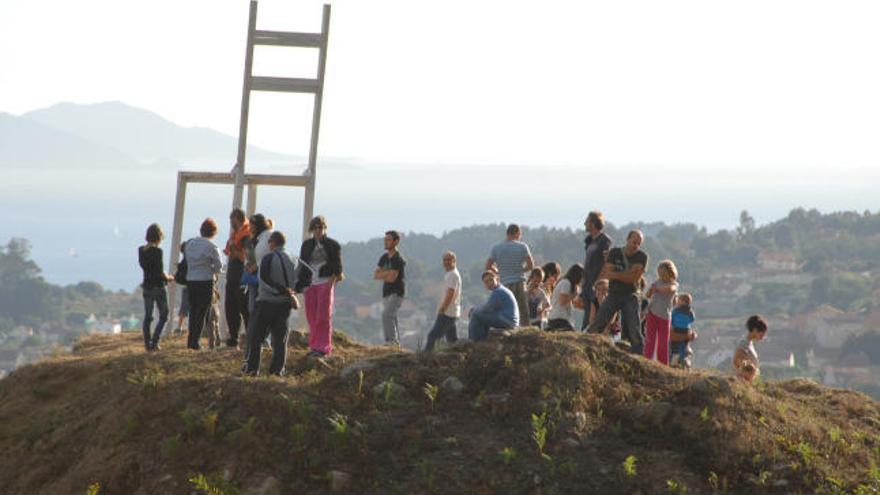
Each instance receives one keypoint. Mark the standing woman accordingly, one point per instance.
(565, 295)
(155, 280)
(318, 274)
(203, 262)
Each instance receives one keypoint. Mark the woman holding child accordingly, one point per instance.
(660, 296)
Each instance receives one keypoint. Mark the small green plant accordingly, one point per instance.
(200, 421)
(170, 446)
(431, 392)
(704, 414)
(508, 454)
(539, 432)
(147, 379)
(835, 434)
(290, 403)
(713, 481)
(762, 479)
(298, 438)
(360, 385)
(629, 466)
(212, 485)
(341, 430)
(93, 489)
(244, 432)
(806, 452)
(675, 488)
(388, 389)
(427, 474)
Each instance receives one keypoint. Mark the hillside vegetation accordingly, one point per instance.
(529, 413)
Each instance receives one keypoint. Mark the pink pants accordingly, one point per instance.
(657, 338)
(319, 314)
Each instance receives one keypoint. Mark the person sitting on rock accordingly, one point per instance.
(500, 311)
(745, 353)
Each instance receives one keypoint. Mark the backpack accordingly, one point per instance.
(182, 269)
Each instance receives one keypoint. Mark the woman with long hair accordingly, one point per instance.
(565, 296)
(320, 270)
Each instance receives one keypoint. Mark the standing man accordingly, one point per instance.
(624, 268)
(450, 304)
(596, 244)
(275, 299)
(236, 250)
(514, 260)
(391, 271)
(500, 311)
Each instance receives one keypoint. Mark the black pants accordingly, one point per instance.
(559, 325)
(236, 300)
(271, 318)
(443, 326)
(200, 295)
(586, 296)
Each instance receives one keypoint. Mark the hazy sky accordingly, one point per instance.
(733, 86)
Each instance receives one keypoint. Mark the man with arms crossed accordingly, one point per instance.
(623, 268)
(390, 271)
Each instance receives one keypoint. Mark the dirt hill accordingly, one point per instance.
(531, 413)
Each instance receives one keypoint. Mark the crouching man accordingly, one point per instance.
(500, 311)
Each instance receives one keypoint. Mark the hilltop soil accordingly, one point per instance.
(532, 413)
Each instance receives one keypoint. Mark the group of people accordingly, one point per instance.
(263, 285)
(609, 286)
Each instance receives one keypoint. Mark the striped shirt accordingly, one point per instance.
(511, 256)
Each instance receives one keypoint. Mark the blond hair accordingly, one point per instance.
(669, 267)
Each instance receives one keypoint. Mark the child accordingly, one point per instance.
(539, 302)
(600, 291)
(682, 334)
(746, 365)
(659, 312)
(212, 321)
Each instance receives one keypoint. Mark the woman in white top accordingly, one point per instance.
(565, 296)
(745, 359)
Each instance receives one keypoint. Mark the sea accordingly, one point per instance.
(86, 225)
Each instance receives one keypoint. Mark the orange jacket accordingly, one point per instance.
(235, 247)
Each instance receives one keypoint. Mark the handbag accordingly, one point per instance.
(182, 269)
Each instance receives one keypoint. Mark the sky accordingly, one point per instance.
(709, 89)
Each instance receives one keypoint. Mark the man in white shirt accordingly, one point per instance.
(450, 304)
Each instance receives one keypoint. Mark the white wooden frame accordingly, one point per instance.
(238, 178)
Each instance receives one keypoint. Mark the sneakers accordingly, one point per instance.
(315, 354)
(230, 342)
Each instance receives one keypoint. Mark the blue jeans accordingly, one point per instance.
(478, 328)
(444, 325)
(628, 305)
(157, 296)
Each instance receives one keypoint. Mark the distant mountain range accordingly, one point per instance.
(113, 135)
